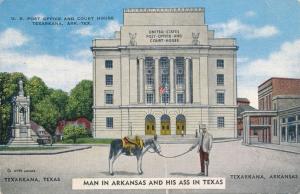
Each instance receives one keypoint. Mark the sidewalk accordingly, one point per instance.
(283, 148)
(46, 152)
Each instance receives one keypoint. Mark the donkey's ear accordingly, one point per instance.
(155, 137)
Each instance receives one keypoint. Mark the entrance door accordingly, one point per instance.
(165, 125)
(150, 125)
(180, 125)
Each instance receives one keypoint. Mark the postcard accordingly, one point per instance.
(148, 96)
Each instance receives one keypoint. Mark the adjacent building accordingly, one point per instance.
(243, 105)
(278, 118)
(164, 73)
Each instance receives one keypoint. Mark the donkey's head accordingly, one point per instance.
(154, 144)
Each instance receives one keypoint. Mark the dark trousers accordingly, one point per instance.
(203, 157)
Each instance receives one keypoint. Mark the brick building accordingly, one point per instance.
(243, 105)
(278, 118)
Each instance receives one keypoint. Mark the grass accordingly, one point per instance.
(6, 148)
(87, 140)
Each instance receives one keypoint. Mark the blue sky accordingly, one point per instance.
(267, 32)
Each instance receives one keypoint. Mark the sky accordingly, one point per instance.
(267, 33)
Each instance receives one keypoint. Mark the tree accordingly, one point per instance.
(59, 98)
(46, 114)
(8, 89)
(74, 132)
(81, 101)
(37, 90)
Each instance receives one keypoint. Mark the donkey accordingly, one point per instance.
(116, 149)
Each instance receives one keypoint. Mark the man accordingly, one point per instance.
(204, 146)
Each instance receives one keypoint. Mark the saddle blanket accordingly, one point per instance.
(132, 142)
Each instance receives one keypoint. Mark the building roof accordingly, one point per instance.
(243, 100)
(243, 108)
(278, 78)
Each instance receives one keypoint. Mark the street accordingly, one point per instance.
(230, 160)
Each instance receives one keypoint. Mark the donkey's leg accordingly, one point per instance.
(111, 159)
(138, 164)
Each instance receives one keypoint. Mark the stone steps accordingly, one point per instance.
(26, 141)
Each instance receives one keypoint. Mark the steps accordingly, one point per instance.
(23, 141)
(177, 139)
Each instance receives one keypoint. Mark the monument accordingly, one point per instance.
(21, 128)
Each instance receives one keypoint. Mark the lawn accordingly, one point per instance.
(87, 140)
(6, 148)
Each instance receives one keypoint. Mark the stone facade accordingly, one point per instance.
(164, 73)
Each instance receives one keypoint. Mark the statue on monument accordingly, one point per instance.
(21, 89)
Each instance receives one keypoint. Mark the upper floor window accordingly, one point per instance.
(149, 69)
(220, 63)
(109, 98)
(220, 97)
(109, 80)
(283, 120)
(220, 79)
(164, 70)
(150, 98)
(179, 70)
(180, 98)
(108, 64)
(165, 97)
(221, 122)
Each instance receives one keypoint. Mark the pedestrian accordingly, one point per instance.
(204, 144)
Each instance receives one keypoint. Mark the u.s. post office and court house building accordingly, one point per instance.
(164, 73)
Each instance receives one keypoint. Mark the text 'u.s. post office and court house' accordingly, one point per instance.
(164, 73)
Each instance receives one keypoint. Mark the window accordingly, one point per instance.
(283, 120)
(179, 70)
(220, 79)
(220, 98)
(149, 69)
(109, 122)
(165, 98)
(150, 98)
(109, 80)
(283, 134)
(180, 98)
(109, 98)
(108, 64)
(149, 79)
(164, 79)
(220, 63)
(179, 79)
(291, 119)
(221, 123)
(298, 117)
(291, 138)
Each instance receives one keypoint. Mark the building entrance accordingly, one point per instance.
(165, 125)
(180, 125)
(150, 125)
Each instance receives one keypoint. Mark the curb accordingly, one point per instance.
(275, 149)
(44, 152)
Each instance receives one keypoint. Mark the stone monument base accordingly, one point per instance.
(23, 141)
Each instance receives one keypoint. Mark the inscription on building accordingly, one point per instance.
(164, 36)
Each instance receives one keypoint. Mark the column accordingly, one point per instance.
(156, 65)
(141, 79)
(172, 89)
(187, 79)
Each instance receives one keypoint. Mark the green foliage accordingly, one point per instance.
(37, 90)
(74, 132)
(46, 114)
(8, 89)
(88, 140)
(47, 106)
(81, 101)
